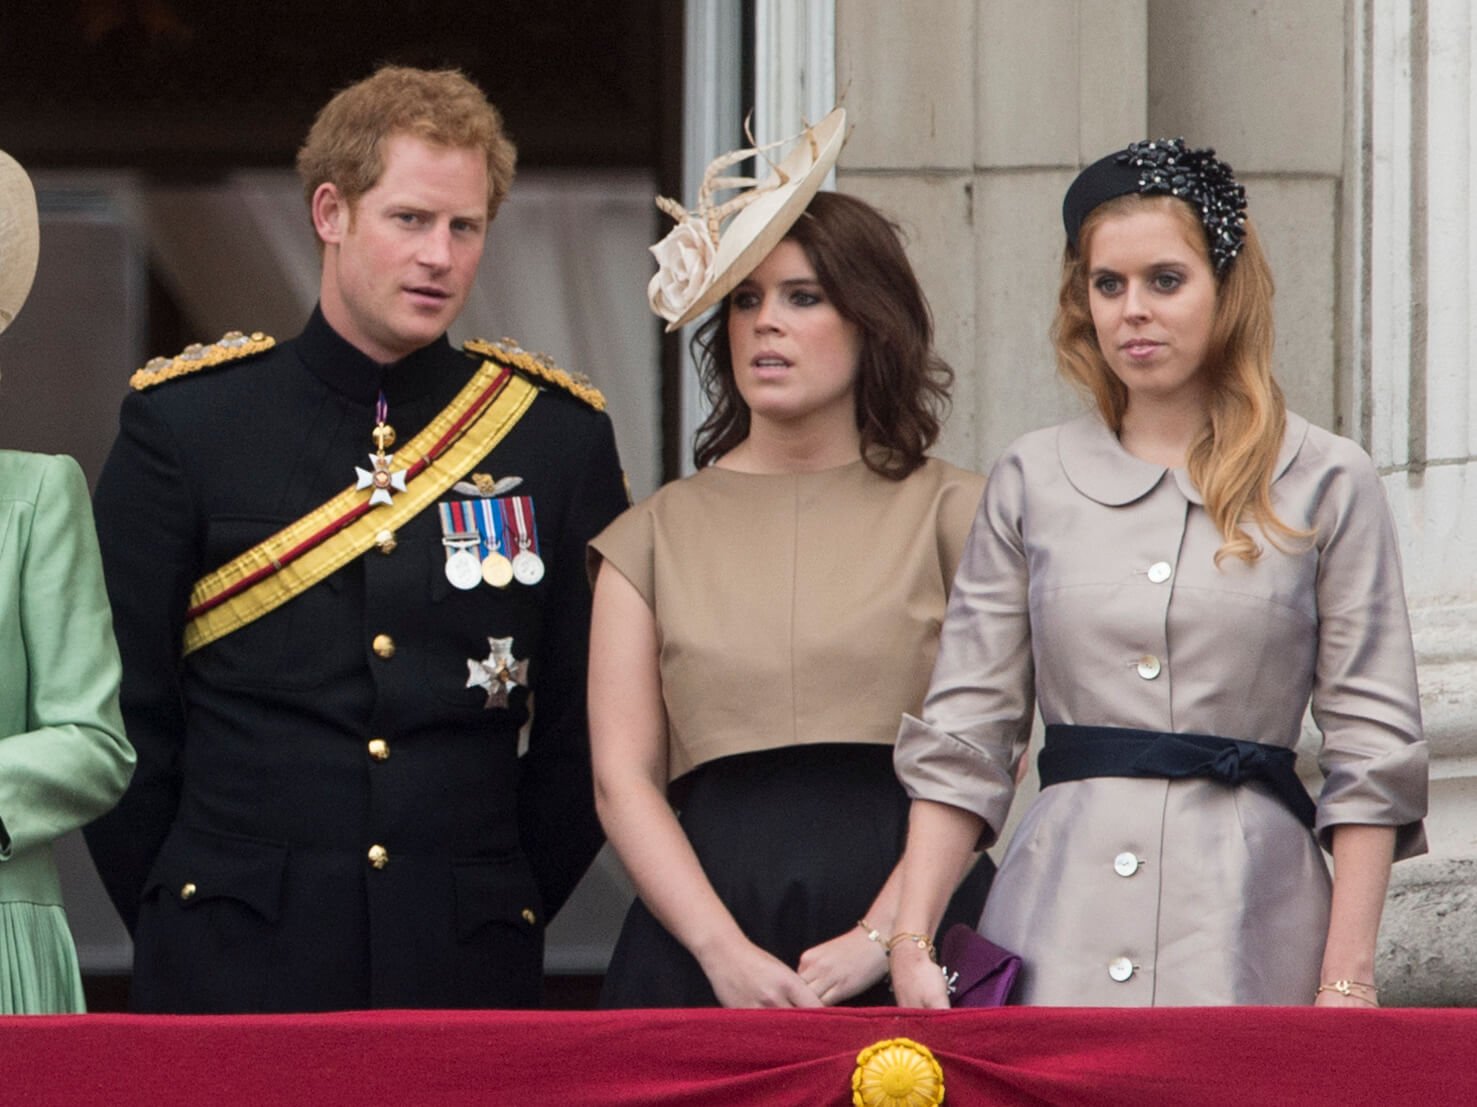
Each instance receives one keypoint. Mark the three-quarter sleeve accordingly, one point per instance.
(976, 718)
(1365, 696)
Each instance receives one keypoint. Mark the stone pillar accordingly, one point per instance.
(1409, 327)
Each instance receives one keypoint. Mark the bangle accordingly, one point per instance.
(872, 933)
(1350, 989)
(922, 941)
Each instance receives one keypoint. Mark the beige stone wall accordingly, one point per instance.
(972, 116)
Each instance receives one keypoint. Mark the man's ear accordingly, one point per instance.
(332, 213)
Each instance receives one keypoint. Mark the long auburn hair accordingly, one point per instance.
(1234, 457)
(902, 385)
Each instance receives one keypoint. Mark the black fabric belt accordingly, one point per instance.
(1082, 752)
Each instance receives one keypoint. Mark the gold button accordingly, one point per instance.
(383, 646)
(385, 541)
(379, 749)
(188, 891)
(529, 917)
(379, 857)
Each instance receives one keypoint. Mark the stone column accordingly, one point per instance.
(1409, 327)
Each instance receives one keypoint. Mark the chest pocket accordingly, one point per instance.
(290, 648)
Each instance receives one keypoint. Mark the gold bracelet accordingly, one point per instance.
(872, 933)
(922, 941)
(1347, 989)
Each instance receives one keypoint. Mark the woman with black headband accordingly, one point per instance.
(1171, 578)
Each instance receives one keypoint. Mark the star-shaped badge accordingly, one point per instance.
(499, 673)
(384, 482)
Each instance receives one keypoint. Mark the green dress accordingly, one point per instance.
(63, 757)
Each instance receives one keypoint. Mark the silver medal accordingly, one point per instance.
(464, 570)
(528, 567)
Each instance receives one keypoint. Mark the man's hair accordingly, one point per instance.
(345, 146)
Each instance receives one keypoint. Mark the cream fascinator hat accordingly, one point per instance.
(20, 237)
(701, 261)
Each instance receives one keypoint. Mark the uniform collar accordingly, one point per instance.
(1101, 469)
(346, 369)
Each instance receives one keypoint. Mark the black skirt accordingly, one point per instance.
(796, 842)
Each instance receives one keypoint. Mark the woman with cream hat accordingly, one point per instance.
(63, 757)
(759, 627)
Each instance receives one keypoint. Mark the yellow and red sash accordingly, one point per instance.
(329, 537)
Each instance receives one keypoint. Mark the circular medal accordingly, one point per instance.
(464, 570)
(528, 567)
(497, 570)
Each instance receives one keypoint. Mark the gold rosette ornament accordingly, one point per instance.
(897, 1072)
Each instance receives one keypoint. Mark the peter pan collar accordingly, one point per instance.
(1098, 466)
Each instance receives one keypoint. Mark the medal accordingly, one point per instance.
(459, 536)
(499, 672)
(463, 569)
(497, 570)
(379, 476)
(528, 567)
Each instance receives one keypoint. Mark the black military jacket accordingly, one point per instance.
(324, 814)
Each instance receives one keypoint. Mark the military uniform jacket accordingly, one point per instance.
(325, 814)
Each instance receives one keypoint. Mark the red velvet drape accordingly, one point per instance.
(1033, 1056)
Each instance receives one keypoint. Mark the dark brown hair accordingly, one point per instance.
(346, 143)
(902, 385)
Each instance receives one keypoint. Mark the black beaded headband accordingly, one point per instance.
(1166, 166)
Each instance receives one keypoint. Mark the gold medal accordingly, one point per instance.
(497, 570)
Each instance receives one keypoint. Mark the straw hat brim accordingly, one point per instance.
(760, 227)
(20, 238)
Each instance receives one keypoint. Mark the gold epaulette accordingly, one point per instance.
(539, 366)
(233, 346)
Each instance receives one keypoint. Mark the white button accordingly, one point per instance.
(1160, 571)
(1148, 666)
(1120, 969)
(1125, 864)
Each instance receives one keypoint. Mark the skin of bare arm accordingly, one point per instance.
(941, 840)
(628, 743)
(1362, 856)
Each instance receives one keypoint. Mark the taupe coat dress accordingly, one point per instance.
(1089, 586)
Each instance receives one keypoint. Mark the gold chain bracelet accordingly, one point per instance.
(1350, 989)
(922, 941)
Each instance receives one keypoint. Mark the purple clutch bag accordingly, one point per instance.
(981, 974)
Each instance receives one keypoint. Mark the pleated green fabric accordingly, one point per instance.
(38, 962)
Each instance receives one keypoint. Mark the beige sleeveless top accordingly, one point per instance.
(793, 608)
